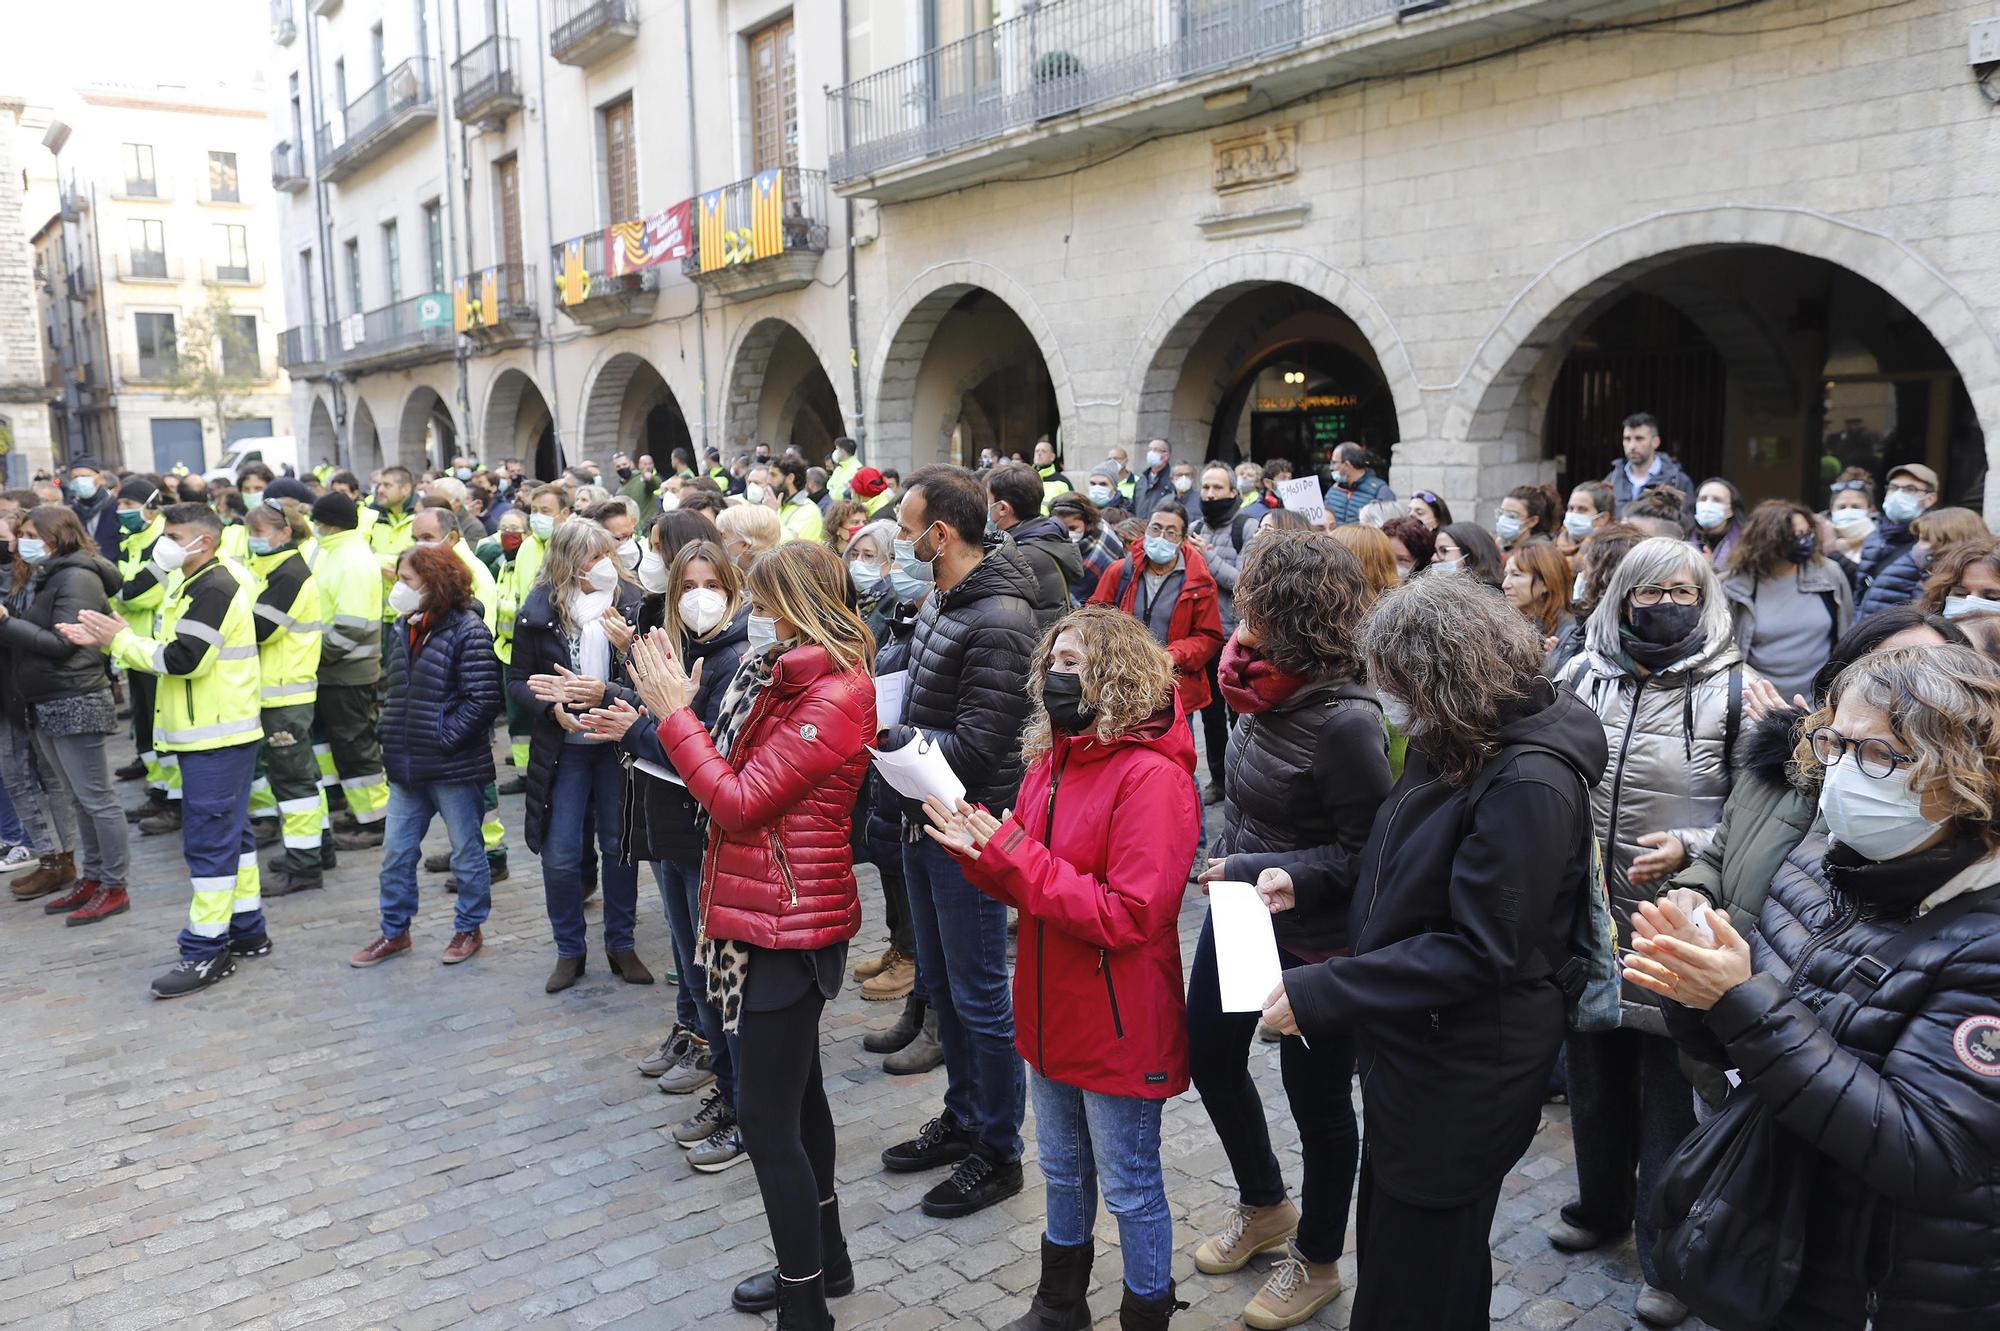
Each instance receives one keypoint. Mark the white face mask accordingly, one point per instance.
(702, 608)
(170, 554)
(1183, 484)
(603, 576)
(1578, 588)
(1851, 521)
(652, 572)
(1879, 818)
(754, 493)
(405, 599)
(1394, 710)
(629, 553)
(669, 501)
(763, 632)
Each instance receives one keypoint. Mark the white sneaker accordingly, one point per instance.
(16, 857)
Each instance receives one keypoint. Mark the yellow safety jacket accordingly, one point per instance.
(350, 602)
(205, 653)
(144, 586)
(388, 538)
(483, 588)
(516, 579)
(800, 518)
(840, 484)
(288, 628)
(235, 542)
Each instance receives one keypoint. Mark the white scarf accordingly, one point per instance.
(593, 650)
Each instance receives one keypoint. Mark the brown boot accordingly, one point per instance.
(895, 980)
(55, 873)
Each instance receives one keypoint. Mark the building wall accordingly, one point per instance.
(24, 419)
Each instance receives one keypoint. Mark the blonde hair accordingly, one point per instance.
(573, 545)
(1377, 556)
(732, 587)
(753, 524)
(1127, 677)
(807, 586)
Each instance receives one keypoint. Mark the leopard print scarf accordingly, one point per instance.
(725, 962)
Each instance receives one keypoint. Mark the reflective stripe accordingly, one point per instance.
(358, 782)
(244, 904)
(286, 622)
(158, 657)
(356, 622)
(271, 691)
(223, 882)
(246, 860)
(196, 629)
(309, 804)
(250, 729)
(302, 842)
(237, 653)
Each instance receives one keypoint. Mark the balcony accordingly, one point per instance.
(402, 102)
(586, 31)
(759, 236)
(149, 369)
(288, 167)
(488, 82)
(300, 351)
(416, 331)
(283, 27)
(1074, 76)
(495, 306)
(147, 266)
(611, 278)
(249, 273)
(146, 188)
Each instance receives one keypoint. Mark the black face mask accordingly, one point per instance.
(1062, 695)
(1664, 624)
(624, 473)
(1804, 548)
(1215, 512)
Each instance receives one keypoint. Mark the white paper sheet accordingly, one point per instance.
(1302, 494)
(889, 698)
(1246, 951)
(918, 771)
(654, 769)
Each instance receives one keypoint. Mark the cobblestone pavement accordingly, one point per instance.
(411, 1147)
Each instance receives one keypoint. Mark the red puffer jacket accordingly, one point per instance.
(1098, 1001)
(779, 871)
(1194, 633)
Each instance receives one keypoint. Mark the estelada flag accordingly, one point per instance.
(767, 214)
(709, 234)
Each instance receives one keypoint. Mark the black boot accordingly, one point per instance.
(905, 1030)
(802, 1305)
(1137, 1314)
(1059, 1303)
(759, 1293)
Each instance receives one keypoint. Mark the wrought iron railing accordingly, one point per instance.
(768, 214)
(1061, 57)
(301, 346)
(364, 120)
(487, 75)
(288, 165)
(412, 324)
(580, 24)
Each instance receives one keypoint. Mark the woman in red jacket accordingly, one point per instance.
(1096, 864)
(776, 780)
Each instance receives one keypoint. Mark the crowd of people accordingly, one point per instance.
(1763, 741)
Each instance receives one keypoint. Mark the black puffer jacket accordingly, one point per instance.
(658, 822)
(1056, 563)
(41, 663)
(540, 645)
(1460, 916)
(437, 721)
(1904, 1109)
(968, 668)
(1302, 783)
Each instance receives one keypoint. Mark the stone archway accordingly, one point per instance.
(364, 444)
(629, 407)
(908, 329)
(322, 440)
(516, 423)
(426, 434)
(775, 373)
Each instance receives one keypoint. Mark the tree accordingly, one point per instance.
(218, 362)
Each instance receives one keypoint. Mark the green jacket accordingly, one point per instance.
(644, 491)
(1763, 820)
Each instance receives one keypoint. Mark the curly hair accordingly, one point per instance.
(1127, 677)
(1948, 569)
(1598, 556)
(446, 581)
(1418, 539)
(1943, 704)
(1457, 653)
(1765, 544)
(1377, 556)
(1301, 593)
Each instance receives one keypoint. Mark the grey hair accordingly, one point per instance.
(1216, 464)
(448, 488)
(1456, 653)
(1378, 513)
(1649, 561)
(883, 531)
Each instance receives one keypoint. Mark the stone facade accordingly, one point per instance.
(23, 419)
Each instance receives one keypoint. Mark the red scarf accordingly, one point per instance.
(1249, 682)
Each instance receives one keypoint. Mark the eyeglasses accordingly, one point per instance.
(1650, 595)
(1839, 486)
(1166, 533)
(1900, 488)
(1875, 757)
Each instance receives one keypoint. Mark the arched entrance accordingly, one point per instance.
(363, 444)
(1833, 342)
(629, 408)
(425, 434)
(779, 393)
(517, 424)
(322, 440)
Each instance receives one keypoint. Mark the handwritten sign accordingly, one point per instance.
(1302, 495)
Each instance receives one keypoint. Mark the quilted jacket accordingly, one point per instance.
(1194, 634)
(1890, 573)
(437, 721)
(1903, 1108)
(43, 664)
(779, 870)
(658, 816)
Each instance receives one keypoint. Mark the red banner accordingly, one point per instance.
(647, 242)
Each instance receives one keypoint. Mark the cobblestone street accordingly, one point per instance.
(413, 1147)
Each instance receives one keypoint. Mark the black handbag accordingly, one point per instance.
(1732, 1207)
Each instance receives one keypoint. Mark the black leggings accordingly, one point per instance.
(787, 1127)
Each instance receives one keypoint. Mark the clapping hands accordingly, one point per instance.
(656, 671)
(963, 831)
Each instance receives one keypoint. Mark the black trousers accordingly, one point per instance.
(1422, 1268)
(782, 1112)
(1215, 722)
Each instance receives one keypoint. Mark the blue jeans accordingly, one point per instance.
(11, 830)
(680, 892)
(588, 777)
(962, 954)
(410, 811)
(1083, 1136)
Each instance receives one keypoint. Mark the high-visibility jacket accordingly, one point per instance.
(350, 609)
(205, 652)
(800, 518)
(235, 542)
(879, 502)
(483, 589)
(516, 579)
(288, 628)
(840, 484)
(145, 584)
(389, 537)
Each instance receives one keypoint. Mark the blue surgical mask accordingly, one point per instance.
(85, 487)
(1101, 495)
(32, 549)
(763, 632)
(1902, 506)
(1161, 550)
(1879, 817)
(1507, 527)
(542, 525)
(464, 473)
(1578, 525)
(1710, 514)
(1965, 607)
(260, 545)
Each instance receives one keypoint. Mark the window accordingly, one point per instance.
(378, 50)
(774, 98)
(222, 186)
(434, 243)
(353, 277)
(507, 198)
(307, 296)
(392, 261)
(340, 88)
(159, 345)
(423, 28)
(148, 240)
(139, 178)
(232, 254)
(240, 357)
(298, 119)
(621, 162)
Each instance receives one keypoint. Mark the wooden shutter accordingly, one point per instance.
(774, 97)
(621, 162)
(509, 173)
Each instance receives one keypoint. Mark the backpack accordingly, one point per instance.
(1589, 972)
